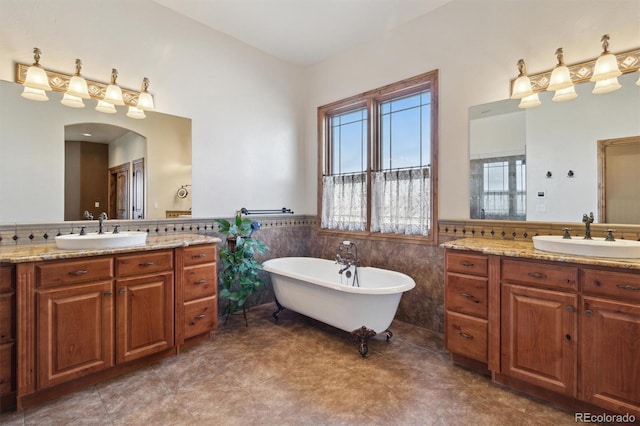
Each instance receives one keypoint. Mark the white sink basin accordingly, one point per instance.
(93, 240)
(597, 247)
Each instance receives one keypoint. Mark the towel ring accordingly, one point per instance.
(182, 192)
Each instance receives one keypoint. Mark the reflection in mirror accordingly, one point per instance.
(104, 171)
(33, 174)
(541, 164)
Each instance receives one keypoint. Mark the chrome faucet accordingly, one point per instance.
(587, 220)
(101, 218)
(87, 215)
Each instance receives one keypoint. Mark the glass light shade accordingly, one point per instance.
(106, 107)
(606, 67)
(72, 101)
(521, 88)
(136, 113)
(145, 102)
(113, 95)
(78, 87)
(565, 94)
(35, 94)
(530, 101)
(560, 78)
(606, 86)
(37, 78)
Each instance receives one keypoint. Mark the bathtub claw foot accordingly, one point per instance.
(388, 334)
(280, 309)
(363, 334)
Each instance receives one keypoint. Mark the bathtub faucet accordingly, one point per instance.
(347, 255)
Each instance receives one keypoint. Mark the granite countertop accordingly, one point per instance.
(524, 249)
(49, 251)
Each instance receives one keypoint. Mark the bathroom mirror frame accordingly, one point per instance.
(32, 144)
(585, 160)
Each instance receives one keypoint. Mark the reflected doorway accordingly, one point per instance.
(618, 177)
(104, 171)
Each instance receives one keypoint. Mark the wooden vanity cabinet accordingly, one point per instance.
(610, 340)
(145, 314)
(199, 305)
(466, 306)
(74, 307)
(7, 337)
(566, 332)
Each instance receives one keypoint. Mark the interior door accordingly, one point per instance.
(119, 192)
(137, 187)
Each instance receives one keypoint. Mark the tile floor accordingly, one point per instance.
(298, 372)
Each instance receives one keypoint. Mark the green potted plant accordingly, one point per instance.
(238, 274)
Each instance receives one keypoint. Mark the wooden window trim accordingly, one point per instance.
(371, 99)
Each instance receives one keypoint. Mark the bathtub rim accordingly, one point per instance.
(268, 266)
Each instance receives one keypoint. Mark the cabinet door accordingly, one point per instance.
(145, 316)
(75, 332)
(610, 348)
(539, 337)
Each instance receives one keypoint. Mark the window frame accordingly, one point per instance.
(371, 100)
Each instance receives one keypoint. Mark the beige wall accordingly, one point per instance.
(475, 45)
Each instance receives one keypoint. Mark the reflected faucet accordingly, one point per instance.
(87, 215)
(101, 218)
(587, 220)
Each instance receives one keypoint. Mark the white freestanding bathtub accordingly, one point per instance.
(315, 288)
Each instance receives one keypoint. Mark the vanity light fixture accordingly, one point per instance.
(605, 81)
(145, 100)
(105, 107)
(560, 80)
(522, 85)
(77, 90)
(36, 81)
(136, 113)
(113, 94)
(607, 65)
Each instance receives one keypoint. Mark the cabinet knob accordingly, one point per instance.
(588, 312)
(108, 293)
(570, 308)
(123, 291)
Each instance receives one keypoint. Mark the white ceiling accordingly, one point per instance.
(302, 31)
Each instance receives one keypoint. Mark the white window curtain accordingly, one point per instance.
(401, 201)
(344, 202)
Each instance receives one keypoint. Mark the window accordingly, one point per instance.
(499, 185)
(378, 161)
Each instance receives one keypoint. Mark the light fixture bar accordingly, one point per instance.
(628, 61)
(60, 83)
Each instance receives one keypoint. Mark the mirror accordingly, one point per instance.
(33, 151)
(541, 164)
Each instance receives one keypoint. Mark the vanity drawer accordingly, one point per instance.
(620, 285)
(467, 263)
(540, 274)
(199, 254)
(50, 274)
(199, 281)
(151, 262)
(7, 282)
(200, 316)
(467, 294)
(467, 336)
